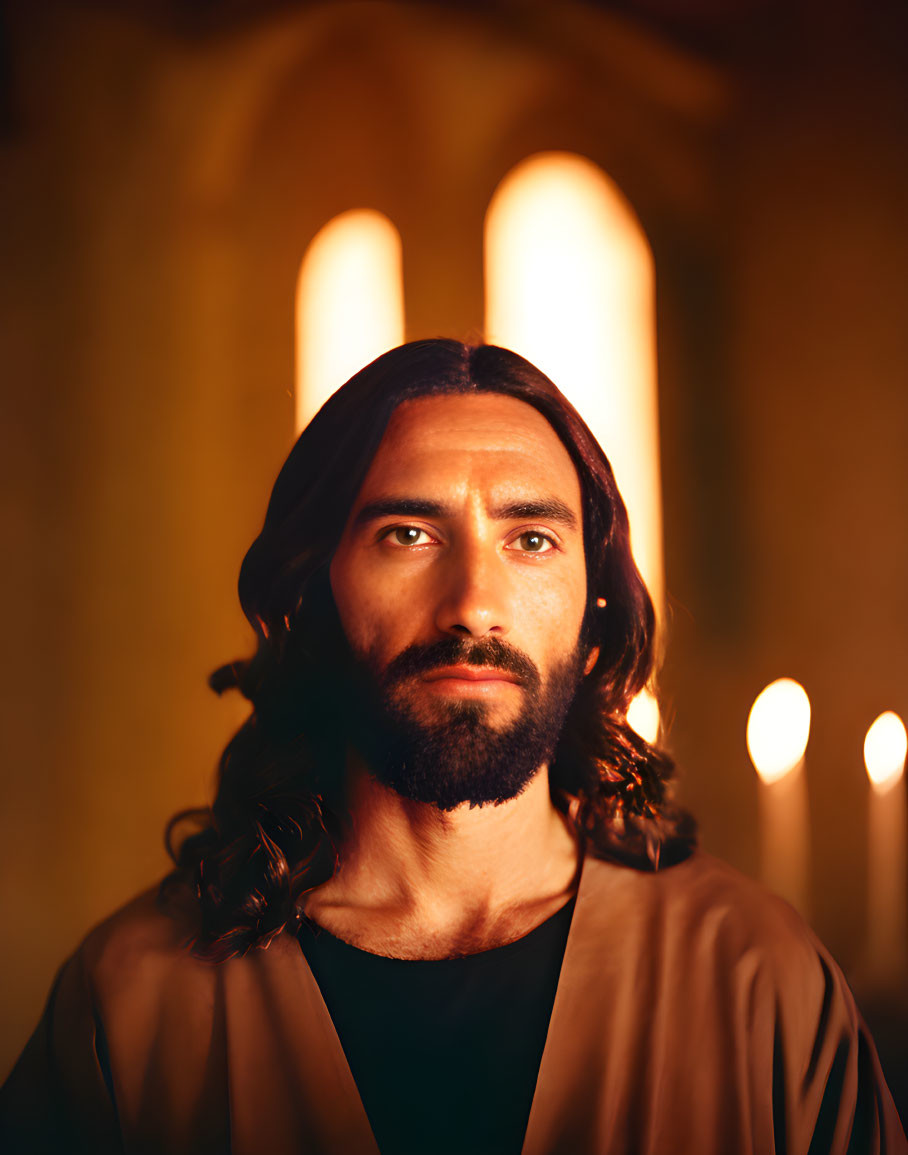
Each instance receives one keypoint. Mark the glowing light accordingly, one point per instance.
(349, 304)
(569, 284)
(778, 728)
(643, 716)
(885, 747)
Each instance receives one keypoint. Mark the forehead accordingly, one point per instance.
(460, 440)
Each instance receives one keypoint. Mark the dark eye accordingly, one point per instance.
(532, 542)
(407, 535)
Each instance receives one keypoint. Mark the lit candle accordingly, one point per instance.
(887, 908)
(777, 731)
(643, 716)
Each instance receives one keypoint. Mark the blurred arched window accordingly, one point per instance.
(570, 285)
(349, 304)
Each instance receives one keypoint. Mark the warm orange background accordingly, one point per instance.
(164, 167)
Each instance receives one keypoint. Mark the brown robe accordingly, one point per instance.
(695, 1013)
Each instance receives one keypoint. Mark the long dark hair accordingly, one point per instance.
(273, 831)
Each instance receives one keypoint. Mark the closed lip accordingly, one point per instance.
(471, 674)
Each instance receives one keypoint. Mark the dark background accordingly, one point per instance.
(164, 167)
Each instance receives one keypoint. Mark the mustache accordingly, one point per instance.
(421, 658)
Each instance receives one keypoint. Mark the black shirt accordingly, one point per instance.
(445, 1053)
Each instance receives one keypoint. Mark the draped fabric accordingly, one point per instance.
(694, 1013)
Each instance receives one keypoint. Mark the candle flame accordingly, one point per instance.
(778, 728)
(885, 747)
(643, 716)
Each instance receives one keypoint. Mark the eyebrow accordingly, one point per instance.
(545, 509)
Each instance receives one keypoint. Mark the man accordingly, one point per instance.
(442, 901)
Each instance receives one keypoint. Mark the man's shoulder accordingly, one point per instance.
(143, 941)
(708, 904)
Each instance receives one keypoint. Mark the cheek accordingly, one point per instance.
(557, 608)
(369, 612)
(350, 598)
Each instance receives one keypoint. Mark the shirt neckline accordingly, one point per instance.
(563, 914)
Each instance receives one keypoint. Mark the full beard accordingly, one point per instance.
(457, 754)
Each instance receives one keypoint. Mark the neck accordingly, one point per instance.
(420, 882)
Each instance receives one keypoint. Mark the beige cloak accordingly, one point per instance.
(695, 1013)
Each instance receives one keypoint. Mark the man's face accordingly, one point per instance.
(460, 582)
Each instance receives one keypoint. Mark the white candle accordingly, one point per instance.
(887, 905)
(778, 728)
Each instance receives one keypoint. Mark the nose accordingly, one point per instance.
(476, 597)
